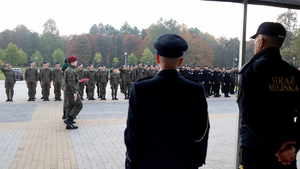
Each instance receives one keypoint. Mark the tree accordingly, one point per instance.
(289, 20)
(148, 57)
(37, 57)
(115, 61)
(50, 27)
(132, 59)
(58, 56)
(22, 58)
(12, 53)
(2, 55)
(94, 29)
(98, 58)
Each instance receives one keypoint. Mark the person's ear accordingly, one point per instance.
(180, 62)
(157, 59)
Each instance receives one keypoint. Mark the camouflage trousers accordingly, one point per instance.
(46, 90)
(81, 89)
(71, 106)
(9, 89)
(90, 90)
(114, 90)
(31, 85)
(101, 90)
(57, 89)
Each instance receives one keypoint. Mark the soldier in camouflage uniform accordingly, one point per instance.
(102, 80)
(90, 88)
(114, 83)
(125, 81)
(31, 77)
(45, 80)
(81, 74)
(73, 104)
(57, 78)
(10, 80)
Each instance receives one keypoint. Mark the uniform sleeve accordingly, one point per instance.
(131, 133)
(25, 75)
(201, 132)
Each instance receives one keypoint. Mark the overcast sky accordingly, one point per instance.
(77, 16)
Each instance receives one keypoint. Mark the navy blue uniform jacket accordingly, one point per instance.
(269, 101)
(167, 125)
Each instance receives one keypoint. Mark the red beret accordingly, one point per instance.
(72, 59)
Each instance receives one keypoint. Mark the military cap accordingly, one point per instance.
(72, 59)
(272, 29)
(170, 45)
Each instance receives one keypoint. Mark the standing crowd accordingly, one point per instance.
(215, 80)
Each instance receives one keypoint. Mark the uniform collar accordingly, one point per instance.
(269, 53)
(168, 73)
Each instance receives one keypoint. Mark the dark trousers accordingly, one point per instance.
(260, 158)
(31, 85)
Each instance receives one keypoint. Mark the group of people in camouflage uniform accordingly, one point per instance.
(213, 79)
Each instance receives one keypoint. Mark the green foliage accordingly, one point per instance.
(58, 56)
(98, 57)
(22, 58)
(148, 57)
(2, 55)
(115, 61)
(132, 59)
(37, 57)
(13, 55)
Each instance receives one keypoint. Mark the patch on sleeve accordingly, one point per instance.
(283, 84)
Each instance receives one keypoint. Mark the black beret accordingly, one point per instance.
(170, 45)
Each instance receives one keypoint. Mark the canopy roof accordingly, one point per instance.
(292, 4)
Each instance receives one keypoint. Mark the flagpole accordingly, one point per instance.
(241, 63)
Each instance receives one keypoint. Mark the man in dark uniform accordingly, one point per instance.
(10, 81)
(226, 80)
(57, 78)
(216, 82)
(172, 131)
(31, 77)
(91, 84)
(45, 80)
(269, 104)
(73, 104)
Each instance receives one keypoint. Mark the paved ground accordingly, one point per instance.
(32, 135)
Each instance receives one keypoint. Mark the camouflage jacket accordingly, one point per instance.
(57, 76)
(31, 75)
(45, 75)
(71, 81)
(102, 76)
(10, 75)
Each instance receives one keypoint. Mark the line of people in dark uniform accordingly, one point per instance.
(213, 79)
